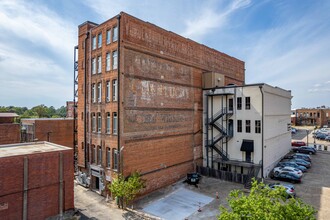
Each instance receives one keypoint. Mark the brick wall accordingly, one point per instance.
(43, 185)
(10, 133)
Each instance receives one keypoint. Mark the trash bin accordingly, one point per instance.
(193, 178)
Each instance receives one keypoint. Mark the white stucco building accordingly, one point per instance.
(246, 128)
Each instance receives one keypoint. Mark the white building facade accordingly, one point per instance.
(246, 128)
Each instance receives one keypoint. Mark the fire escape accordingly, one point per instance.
(75, 99)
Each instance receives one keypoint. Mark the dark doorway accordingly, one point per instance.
(97, 183)
(231, 104)
(230, 127)
(248, 156)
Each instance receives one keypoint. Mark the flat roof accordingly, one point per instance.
(8, 114)
(9, 150)
(46, 119)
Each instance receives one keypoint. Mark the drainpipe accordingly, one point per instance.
(262, 132)
(121, 159)
(85, 95)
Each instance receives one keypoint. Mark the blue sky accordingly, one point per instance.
(283, 43)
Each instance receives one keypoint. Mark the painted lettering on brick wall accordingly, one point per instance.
(151, 89)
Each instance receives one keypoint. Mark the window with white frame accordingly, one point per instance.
(247, 126)
(114, 90)
(239, 103)
(94, 42)
(99, 91)
(93, 122)
(93, 93)
(114, 59)
(99, 122)
(247, 103)
(114, 123)
(99, 156)
(108, 62)
(108, 36)
(115, 159)
(108, 122)
(239, 125)
(107, 92)
(258, 126)
(108, 157)
(93, 65)
(99, 40)
(99, 64)
(115, 34)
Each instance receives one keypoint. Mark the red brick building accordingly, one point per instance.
(313, 116)
(36, 180)
(69, 109)
(10, 131)
(55, 130)
(140, 100)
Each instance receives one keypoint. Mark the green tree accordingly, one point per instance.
(265, 203)
(61, 111)
(41, 110)
(126, 189)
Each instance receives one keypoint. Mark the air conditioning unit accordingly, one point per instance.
(213, 80)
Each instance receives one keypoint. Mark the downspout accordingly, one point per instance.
(121, 160)
(85, 94)
(262, 132)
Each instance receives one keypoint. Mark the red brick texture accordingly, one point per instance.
(43, 185)
(160, 97)
(10, 133)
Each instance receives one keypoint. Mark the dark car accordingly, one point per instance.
(289, 189)
(287, 176)
(304, 150)
(320, 136)
(298, 143)
(298, 161)
(299, 156)
(292, 164)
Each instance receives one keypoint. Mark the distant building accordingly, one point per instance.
(313, 116)
(9, 130)
(140, 100)
(246, 129)
(36, 180)
(69, 109)
(55, 130)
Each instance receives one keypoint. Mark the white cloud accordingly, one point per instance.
(208, 19)
(35, 49)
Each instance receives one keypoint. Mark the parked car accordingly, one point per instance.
(293, 130)
(298, 143)
(292, 164)
(327, 138)
(308, 158)
(289, 189)
(300, 162)
(299, 156)
(321, 136)
(278, 170)
(304, 150)
(286, 175)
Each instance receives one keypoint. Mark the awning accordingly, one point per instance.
(247, 146)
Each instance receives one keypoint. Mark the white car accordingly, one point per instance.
(278, 170)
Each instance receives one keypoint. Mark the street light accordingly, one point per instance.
(307, 131)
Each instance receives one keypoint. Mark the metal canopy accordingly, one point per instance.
(247, 146)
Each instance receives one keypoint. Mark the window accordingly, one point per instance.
(94, 154)
(93, 65)
(108, 157)
(108, 62)
(318, 114)
(107, 92)
(239, 125)
(114, 90)
(99, 40)
(94, 43)
(115, 159)
(114, 123)
(99, 155)
(115, 34)
(108, 36)
(258, 126)
(114, 59)
(93, 93)
(327, 114)
(108, 123)
(99, 64)
(99, 91)
(93, 122)
(99, 122)
(239, 103)
(247, 103)
(230, 104)
(247, 126)
(87, 153)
